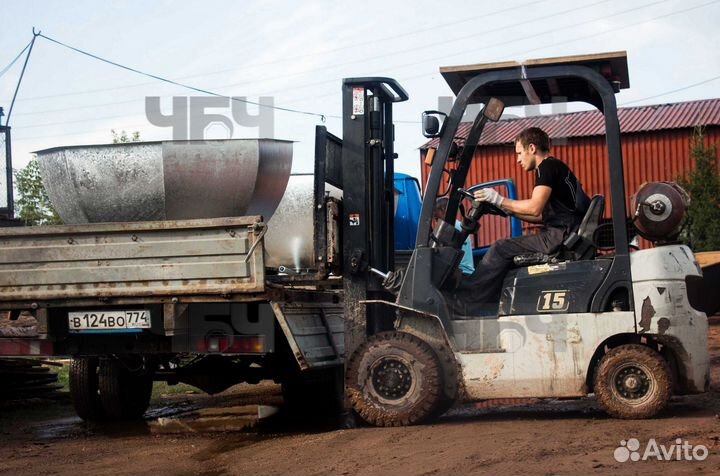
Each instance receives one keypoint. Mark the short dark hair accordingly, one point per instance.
(534, 135)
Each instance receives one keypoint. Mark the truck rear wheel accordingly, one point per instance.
(394, 379)
(84, 389)
(125, 395)
(633, 381)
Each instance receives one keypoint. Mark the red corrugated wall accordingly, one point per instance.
(648, 157)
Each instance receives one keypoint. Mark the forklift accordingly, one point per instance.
(618, 325)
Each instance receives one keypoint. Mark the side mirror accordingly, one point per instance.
(494, 109)
(432, 122)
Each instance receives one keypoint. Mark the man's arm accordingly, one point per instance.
(527, 218)
(531, 209)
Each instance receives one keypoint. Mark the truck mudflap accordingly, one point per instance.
(314, 331)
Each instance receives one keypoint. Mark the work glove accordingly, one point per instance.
(489, 195)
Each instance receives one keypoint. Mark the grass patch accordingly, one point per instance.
(63, 374)
(162, 390)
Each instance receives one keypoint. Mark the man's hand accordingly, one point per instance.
(489, 195)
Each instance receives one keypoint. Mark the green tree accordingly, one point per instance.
(702, 231)
(123, 137)
(33, 204)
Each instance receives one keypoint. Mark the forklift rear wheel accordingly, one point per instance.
(84, 390)
(633, 381)
(394, 379)
(125, 395)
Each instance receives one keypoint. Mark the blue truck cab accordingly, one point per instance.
(409, 202)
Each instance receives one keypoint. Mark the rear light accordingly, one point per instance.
(20, 347)
(235, 344)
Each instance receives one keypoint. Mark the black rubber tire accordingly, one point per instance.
(394, 379)
(84, 390)
(124, 395)
(655, 377)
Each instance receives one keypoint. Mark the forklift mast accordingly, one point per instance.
(368, 199)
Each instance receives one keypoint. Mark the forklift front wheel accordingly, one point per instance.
(633, 382)
(394, 379)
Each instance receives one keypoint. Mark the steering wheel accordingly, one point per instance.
(485, 208)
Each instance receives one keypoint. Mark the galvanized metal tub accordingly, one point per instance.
(172, 180)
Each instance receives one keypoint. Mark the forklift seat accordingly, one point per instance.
(579, 245)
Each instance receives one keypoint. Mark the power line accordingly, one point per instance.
(294, 57)
(22, 75)
(17, 138)
(421, 47)
(482, 33)
(186, 86)
(523, 52)
(91, 119)
(689, 86)
(6, 68)
(659, 17)
(487, 47)
(391, 37)
(544, 47)
(73, 108)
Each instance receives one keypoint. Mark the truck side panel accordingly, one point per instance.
(213, 256)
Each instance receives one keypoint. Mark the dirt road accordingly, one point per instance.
(558, 437)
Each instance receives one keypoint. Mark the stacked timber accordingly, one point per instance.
(27, 378)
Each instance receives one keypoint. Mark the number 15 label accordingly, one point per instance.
(553, 301)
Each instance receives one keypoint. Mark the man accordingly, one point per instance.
(557, 202)
(467, 266)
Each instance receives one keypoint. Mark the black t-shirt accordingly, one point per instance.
(560, 208)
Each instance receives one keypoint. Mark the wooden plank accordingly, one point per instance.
(707, 258)
(577, 59)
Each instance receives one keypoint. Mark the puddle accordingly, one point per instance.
(74, 426)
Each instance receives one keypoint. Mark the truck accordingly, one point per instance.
(207, 300)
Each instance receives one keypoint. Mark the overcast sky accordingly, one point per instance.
(298, 52)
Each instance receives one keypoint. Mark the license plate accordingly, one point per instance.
(109, 321)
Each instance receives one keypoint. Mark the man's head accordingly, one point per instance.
(531, 145)
(440, 208)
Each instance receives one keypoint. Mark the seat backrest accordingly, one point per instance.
(580, 244)
(592, 218)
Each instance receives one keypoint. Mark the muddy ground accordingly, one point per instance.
(557, 437)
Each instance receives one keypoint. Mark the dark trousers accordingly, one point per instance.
(485, 284)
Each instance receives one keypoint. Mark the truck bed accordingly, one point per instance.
(154, 260)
